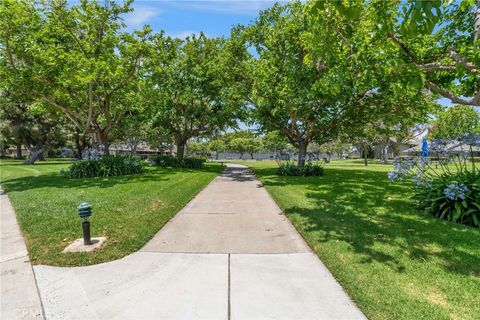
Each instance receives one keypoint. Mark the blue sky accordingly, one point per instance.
(180, 18)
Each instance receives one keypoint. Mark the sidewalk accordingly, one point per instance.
(19, 294)
(229, 254)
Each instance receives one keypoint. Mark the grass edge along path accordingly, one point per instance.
(394, 262)
(128, 210)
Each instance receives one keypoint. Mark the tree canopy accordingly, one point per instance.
(74, 58)
(455, 122)
(192, 88)
(305, 72)
(319, 70)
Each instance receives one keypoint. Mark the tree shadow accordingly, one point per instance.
(239, 174)
(377, 219)
(57, 180)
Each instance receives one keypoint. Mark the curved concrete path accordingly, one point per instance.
(229, 254)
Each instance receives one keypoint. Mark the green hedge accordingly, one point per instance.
(289, 168)
(174, 162)
(105, 167)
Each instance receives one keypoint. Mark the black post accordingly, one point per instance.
(86, 233)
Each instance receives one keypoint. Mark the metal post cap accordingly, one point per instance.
(84, 210)
(84, 205)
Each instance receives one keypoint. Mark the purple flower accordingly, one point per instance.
(455, 191)
(393, 176)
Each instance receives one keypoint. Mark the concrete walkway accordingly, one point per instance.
(19, 294)
(229, 254)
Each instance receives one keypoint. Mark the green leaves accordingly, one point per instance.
(433, 200)
(194, 85)
(75, 58)
(455, 122)
(105, 167)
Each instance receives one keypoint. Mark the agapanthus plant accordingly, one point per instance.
(94, 153)
(447, 187)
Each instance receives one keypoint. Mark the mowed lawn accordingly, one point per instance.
(394, 262)
(128, 210)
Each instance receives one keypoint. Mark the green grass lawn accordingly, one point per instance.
(393, 261)
(128, 210)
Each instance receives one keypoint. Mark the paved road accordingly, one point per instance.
(229, 254)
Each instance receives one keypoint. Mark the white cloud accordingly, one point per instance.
(141, 15)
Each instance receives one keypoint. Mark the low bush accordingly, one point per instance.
(105, 167)
(448, 190)
(453, 197)
(290, 168)
(174, 162)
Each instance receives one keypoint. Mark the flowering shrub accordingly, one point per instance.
(94, 153)
(105, 167)
(449, 189)
(290, 168)
(456, 191)
(174, 162)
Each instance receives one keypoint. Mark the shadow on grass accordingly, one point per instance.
(11, 162)
(57, 180)
(239, 174)
(377, 220)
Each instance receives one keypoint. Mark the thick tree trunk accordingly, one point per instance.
(216, 155)
(251, 155)
(180, 149)
(365, 155)
(103, 139)
(133, 150)
(35, 155)
(302, 155)
(19, 151)
(79, 145)
(396, 149)
(241, 155)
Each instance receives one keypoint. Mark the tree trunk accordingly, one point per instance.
(216, 155)
(35, 155)
(42, 156)
(103, 139)
(241, 155)
(79, 145)
(365, 156)
(302, 155)
(251, 155)
(396, 149)
(19, 151)
(180, 149)
(385, 155)
(133, 150)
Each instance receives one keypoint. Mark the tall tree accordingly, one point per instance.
(217, 144)
(455, 122)
(32, 127)
(274, 141)
(75, 58)
(249, 145)
(315, 72)
(193, 88)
